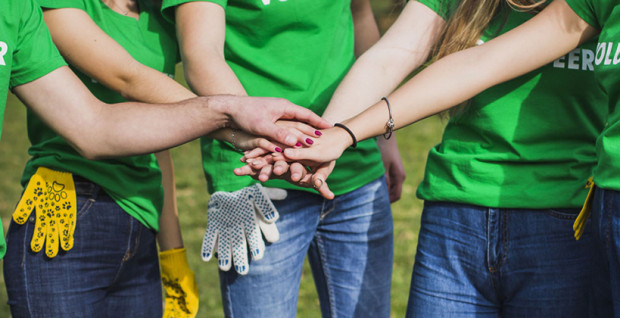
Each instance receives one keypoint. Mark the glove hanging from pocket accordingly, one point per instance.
(580, 223)
(236, 220)
(52, 194)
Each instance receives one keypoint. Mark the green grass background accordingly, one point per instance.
(414, 143)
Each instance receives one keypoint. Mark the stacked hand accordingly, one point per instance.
(303, 166)
(309, 164)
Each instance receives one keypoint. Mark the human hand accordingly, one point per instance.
(394, 168)
(235, 220)
(179, 282)
(274, 166)
(258, 116)
(244, 141)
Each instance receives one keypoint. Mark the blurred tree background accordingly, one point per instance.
(414, 143)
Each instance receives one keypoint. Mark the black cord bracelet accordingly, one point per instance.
(350, 133)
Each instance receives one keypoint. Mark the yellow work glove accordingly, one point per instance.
(52, 193)
(580, 223)
(180, 284)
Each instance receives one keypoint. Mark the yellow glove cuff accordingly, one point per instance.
(580, 223)
(180, 284)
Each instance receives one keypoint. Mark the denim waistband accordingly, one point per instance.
(85, 187)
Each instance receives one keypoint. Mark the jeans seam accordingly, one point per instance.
(607, 219)
(333, 207)
(25, 251)
(330, 292)
(488, 253)
(505, 239)
(127, 251)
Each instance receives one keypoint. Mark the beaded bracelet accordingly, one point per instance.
(389, 126)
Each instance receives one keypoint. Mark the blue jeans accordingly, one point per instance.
(111, 271)
(349, 242)
(606, 269)
(484, 262)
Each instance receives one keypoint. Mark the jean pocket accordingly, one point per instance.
(563, 214)
(84, 203)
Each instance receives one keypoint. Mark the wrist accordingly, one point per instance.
(224, 108)
(342, 138)
(349, 132)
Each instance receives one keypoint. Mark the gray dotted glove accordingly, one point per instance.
(236, 220)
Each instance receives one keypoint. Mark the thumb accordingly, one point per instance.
(301, 154)
(319, 177)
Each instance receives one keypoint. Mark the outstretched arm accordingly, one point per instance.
(98, 130)
(81, 41)
(381, 68)
(404, 47)
(460, 76)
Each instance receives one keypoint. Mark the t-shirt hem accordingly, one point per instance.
(37, 71)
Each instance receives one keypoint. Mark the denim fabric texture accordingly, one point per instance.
(349, 243)
(112, 270)
(483, 262)
(606, 268)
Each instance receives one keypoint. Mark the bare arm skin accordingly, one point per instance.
(460, 76)
(85, 46)
(380, 69)
(98, 130)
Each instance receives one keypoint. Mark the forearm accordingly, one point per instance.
(460, 76)
(364, 25)
(211, 76)
(88, 48)
(404, 47)
(201, 33)
(373, 76)
(150, 86)
(169, 236)
(98, 130)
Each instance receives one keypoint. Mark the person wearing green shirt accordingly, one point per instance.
(504, 187)
(128, 43)
(299, 50)
(32, 67)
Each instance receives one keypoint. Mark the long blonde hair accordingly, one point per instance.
(468, 22)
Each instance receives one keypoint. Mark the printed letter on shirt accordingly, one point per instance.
(4, 49)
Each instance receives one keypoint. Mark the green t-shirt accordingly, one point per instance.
(133, 182)
(26, 53)
(605, 16)
(299, 50)
(526, 143)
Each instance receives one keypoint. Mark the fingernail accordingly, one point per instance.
(318, 133)
(278, 149)
(298, 144)
(289, 140)
(309, 141)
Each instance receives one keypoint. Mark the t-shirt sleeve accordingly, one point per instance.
(167, 6)
(585, 10)
(35, 54)
(57, 4)
(444, 8)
